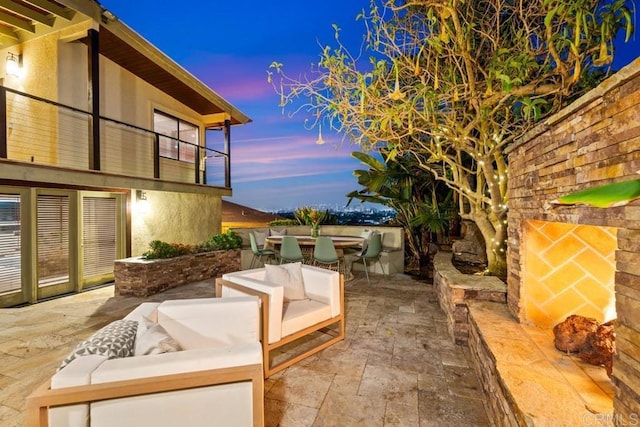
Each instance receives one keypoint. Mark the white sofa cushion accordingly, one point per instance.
(216, 405)
(210, 322)
(76, 373)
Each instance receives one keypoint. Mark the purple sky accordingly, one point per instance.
(229, 46)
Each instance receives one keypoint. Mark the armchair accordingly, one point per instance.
(284, 322)
(215, 379)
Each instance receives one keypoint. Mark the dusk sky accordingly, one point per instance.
(275, 162)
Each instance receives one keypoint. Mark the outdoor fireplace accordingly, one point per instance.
(582, 260)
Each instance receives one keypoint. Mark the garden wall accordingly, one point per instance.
(140, 278)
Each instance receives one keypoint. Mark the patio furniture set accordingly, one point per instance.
(196, 361)
(333, 252)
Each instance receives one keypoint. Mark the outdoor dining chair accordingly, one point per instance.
(258, 253)
(290, 250)
(371, 254)
(324, 253)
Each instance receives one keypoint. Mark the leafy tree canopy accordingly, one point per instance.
(454, 82)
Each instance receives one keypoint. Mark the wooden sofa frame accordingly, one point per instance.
(267, 347)
(43, 398)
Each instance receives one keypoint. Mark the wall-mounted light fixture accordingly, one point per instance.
(141, 195)
(13, 65)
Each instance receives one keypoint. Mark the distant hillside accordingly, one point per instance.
(235, 215)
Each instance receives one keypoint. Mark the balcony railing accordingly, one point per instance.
(40, 131)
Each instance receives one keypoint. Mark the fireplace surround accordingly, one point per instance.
(594, 141)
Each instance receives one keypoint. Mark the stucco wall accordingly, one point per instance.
(173, 217)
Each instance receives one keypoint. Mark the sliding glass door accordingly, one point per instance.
(54, 244)
(11, 288)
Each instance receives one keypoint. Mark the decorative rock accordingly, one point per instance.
(600, 347)
(471, 247)
(572, 334)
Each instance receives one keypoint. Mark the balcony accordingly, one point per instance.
(60, 145)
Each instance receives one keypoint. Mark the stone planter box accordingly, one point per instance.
(140, 278)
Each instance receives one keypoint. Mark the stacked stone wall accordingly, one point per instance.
(140, 278)
(594, 141)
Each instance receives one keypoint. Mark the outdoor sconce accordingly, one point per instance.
(14, 65)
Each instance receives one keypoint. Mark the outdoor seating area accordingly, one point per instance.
(395, 366)
(348, 242)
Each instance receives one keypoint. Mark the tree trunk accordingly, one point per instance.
(495, 243)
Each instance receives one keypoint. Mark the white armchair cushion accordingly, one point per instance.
(290, 276)
(211, 322)
(299, 315)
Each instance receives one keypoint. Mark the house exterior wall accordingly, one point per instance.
(173, 218)
(48, 145)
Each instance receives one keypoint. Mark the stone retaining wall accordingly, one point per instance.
(455, 290)
(141, 278)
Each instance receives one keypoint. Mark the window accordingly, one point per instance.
(178, 139)
(10, 248)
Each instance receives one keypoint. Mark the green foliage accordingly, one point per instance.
(310, 216)
(454, 83)
(160, 250)
(228, 240)
(283, 222)
(604, 196)
(422, 203)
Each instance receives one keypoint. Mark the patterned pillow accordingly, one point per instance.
(117, 339)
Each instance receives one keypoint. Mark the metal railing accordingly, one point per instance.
(40, 131)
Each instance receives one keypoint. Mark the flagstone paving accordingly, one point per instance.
(396, 367)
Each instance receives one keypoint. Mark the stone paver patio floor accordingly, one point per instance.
(396, 367)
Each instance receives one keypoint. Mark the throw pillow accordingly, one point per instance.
(274, 232)
(117, 339)
(260, 236)
(155, 340)
(290, 276)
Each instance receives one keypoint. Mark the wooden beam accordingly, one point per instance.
(17, 22)
(53, 8)
(8, 32)
(47, 20)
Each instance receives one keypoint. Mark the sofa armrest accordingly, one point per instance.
(272, 295)
(45, 398)
(204, 322)
(201, 359)
(324, 286)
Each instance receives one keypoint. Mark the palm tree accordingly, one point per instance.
(418, 199)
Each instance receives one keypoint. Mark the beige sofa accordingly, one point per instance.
(392, 257)
(214, 379)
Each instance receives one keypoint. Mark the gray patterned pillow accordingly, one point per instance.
(117, 339)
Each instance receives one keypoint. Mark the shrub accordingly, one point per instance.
(283, 222)
(159, 249)
(228, 240)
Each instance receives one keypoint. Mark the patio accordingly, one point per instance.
(397, 365)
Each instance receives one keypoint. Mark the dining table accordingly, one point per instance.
(307, 243)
